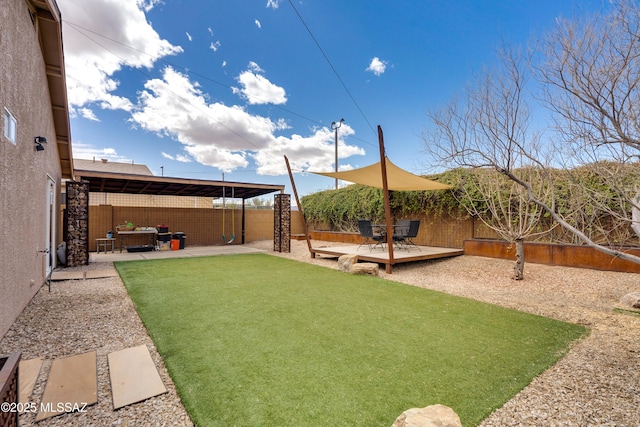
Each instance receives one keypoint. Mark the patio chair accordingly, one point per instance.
(413, 232)
(370, 238)
(400, 232)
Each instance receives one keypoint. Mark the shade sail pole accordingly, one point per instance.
(387, 204)
(304, 221)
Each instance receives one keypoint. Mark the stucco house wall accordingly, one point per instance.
(29, 179)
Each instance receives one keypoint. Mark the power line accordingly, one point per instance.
(332, 67)
(81, 30)
(77, 27)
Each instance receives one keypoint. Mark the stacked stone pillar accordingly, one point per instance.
(282, 223)
(77, 226)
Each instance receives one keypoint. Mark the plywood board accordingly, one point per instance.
(28, 372)
(72, 385)
(134, 376)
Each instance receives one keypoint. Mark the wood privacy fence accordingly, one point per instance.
(201, 226)
(204, 227)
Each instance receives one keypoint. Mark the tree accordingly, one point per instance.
(589, 70)
(489, 130)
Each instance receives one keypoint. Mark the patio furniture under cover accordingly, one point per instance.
(370, 238)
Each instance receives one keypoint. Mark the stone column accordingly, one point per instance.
(282, 223)
(77, 223)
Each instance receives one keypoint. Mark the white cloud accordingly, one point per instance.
(228, 137)
(90, 152)
(258, 24)
(315, 152)
(257, 89)
(147, 5)
(274, 4)
(88, 114)
(178, 157)
(377, 66)
(90, 67)
(253, 66)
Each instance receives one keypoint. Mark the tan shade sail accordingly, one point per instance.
(397, 179)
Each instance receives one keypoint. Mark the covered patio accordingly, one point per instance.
(388, 177)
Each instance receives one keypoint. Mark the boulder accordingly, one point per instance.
(631, 300)
(370, 268)
(346, 261)
(430, 416)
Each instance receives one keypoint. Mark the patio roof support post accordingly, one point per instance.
(387, 204)
(243, 218)
(304, 221)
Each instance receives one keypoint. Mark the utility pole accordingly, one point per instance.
(335, 126)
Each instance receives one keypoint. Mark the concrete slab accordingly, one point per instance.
(189, 251)
(28, 372)
(58, 276)
(72, 385)
(134, 376)
(99, 274)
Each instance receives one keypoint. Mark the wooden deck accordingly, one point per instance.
(381, 256)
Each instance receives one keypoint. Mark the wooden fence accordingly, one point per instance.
(204, 227)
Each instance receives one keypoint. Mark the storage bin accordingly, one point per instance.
(178, 235)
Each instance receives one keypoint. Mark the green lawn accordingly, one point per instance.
(257, 340)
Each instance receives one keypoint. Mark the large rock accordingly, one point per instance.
(370, 268)
(631, 300)
(346, 261)
(431, 416)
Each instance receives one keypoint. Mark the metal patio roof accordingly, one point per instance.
(107, 182)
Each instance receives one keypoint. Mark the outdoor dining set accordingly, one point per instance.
(404, 231)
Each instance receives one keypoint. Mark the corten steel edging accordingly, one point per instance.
(333, 236)
(554, 254)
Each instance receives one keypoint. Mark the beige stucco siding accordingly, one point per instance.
(24, 171)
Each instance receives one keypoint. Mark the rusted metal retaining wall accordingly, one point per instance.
(554, 254)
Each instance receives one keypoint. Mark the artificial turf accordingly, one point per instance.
(260, 340)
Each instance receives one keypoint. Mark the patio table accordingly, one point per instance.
(123, 235)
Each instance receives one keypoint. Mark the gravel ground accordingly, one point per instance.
(596, 384)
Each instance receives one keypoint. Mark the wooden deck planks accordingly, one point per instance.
(382, 256)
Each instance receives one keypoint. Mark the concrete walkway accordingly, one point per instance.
(189, 251)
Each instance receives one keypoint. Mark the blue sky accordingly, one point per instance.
(195, 89)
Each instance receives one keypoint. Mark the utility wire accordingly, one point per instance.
(168, 88)
(332, 68)
(78, 28)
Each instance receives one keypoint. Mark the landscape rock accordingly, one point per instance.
(346, 261)
(631, 300)
(430, 416)
(370, 268)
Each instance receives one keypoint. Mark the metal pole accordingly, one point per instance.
(335, 126)
(304, 221)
